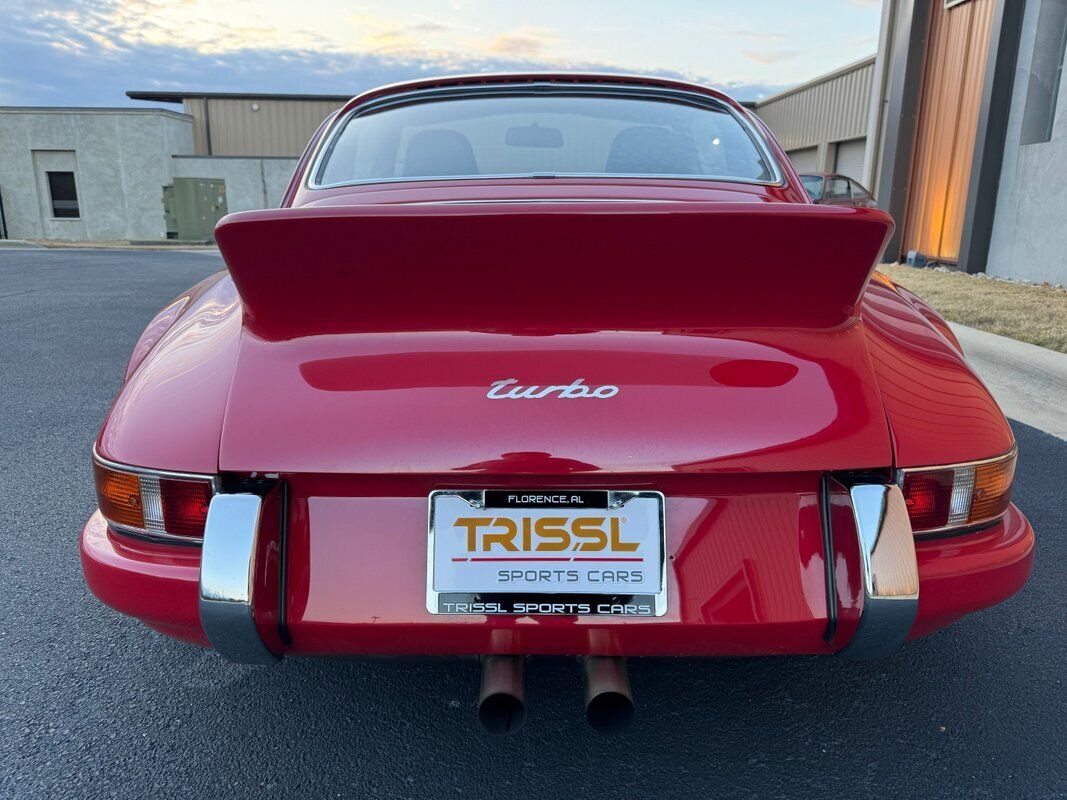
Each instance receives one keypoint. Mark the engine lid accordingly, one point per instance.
(764, 400)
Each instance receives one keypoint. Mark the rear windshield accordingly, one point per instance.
(813, 183)
(544, 135)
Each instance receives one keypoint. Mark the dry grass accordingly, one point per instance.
(1036, 314)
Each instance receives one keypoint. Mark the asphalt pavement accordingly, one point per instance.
(92, 704)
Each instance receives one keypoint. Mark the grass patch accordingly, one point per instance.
(1023, 311)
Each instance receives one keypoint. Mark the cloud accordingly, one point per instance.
(428, 25)
(523, 43)
(90, 52)
(757, 36)
(770, 56)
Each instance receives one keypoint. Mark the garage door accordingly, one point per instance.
(804, 160)
(850, 158)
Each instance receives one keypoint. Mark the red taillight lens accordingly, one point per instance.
(184, 506)
(945, 498)
(151, 504)
(927, 496)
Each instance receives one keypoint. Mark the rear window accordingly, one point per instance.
(544, 135)
(813, 183)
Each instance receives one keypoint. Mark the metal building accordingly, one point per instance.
(962, 116)
(974, 134)
(231, 124)
(822, 123)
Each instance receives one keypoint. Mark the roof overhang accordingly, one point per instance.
(179, 97)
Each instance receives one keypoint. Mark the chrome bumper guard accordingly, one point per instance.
(227, 571)
(889, 572)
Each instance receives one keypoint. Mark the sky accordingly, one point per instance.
(90, 52)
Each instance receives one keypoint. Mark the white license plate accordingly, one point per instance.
(580, 552)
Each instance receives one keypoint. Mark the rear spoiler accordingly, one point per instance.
(547, 267)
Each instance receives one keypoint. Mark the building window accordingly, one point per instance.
(64, 195)
(1046, 71)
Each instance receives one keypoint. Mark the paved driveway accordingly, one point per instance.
(94, 705)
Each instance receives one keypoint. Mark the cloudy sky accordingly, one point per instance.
(89, 52)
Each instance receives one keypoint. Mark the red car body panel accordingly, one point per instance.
(334, 358)
(171, 408)
(415, 403)
(936, 405)
(598, 266)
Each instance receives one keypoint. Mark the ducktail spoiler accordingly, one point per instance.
(549, 267)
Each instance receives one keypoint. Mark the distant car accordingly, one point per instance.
(552, 365)
(837, 190)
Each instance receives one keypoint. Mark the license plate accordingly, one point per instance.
(574, 552)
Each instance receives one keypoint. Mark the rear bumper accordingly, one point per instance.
(963, 574)
(159, 585)
(155, 583)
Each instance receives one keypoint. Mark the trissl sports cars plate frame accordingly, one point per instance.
(584, 537)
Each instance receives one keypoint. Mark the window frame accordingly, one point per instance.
(864, 194)
(540, 89)
(48, 173)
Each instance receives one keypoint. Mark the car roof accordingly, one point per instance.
(520, 78)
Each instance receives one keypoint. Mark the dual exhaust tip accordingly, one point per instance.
(609, 705)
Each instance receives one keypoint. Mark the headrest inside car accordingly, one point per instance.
(651, 150)
(439, 153)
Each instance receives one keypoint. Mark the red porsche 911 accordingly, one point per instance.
(551, 365)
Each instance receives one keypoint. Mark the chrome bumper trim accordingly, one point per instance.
(227, 572)
(889, 572)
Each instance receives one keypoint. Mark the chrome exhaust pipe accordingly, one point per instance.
(609, 705)
(502, 702)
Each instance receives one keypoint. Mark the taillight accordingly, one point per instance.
(945, 498)
(164, 505)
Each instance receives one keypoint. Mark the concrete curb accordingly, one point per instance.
(19, 244)
(1028, 381)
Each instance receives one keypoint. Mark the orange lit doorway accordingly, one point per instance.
(953, 72)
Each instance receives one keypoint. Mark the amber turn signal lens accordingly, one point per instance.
(119, 494)
(992, 489)
(959, 495)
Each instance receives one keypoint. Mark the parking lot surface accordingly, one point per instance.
(92, 704)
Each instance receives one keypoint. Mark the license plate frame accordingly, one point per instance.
(651, 601)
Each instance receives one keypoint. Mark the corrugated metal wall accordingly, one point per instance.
(194, 107)
(829, 109)
(956, 52)
(280, 127)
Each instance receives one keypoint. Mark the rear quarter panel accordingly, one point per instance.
(169, 412)
(938, 409)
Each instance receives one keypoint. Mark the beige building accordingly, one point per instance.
(259, 125)
(113, 174)
(822, 123)
(962, 120)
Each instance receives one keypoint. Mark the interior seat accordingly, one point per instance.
(439, 153)
(651, 150)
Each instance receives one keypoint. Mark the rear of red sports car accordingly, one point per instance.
(560, 365)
